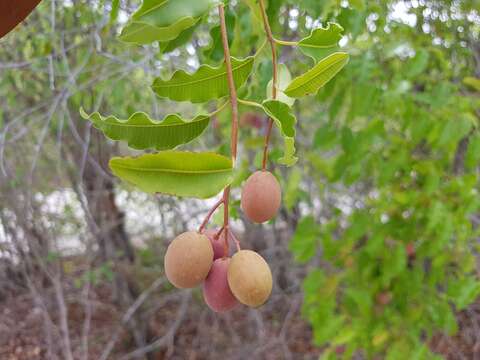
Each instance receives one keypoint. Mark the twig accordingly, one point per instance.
(234, 107)
(128, 315)
(271, 40)
(217, 235)
(209, 215)
(237, 243)
(168, 336)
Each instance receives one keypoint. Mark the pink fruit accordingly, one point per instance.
(261, 196)
(217, 244)
(216, 292)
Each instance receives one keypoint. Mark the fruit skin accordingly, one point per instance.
(216, 292)
(261, 196)
(188, 259)
(249, 278)
(217, 244)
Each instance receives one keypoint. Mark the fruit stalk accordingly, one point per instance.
(271, 41)
(234, 108)
(209, 215)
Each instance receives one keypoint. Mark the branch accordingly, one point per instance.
(234, 107)
(129, 314)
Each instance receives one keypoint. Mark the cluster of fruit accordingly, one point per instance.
(194, 257)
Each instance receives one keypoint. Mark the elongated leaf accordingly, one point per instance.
(143, 33)
(141, 132)
(183, 38)
(189, 174)
(322, 41)
(284, 79)
(205, 84)
(283, 117)
(318, 76)
(164, 20)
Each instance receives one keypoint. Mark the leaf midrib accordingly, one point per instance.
(119, 124)
(316, 47)
(142, 25)
(172, 170)
(167, 85)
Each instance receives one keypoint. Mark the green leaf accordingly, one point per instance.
(215, 50)
(292, 190)
(417, 65)
(183, 38)
(189, 174)
(141, 33)
(304, 242)
(284, 78)
(318, 76)
(322, 41)
(283, 117)
(114, 11)
(472, 82)
(464, 291)
(140, 132)
(205, 84)
(164, 20)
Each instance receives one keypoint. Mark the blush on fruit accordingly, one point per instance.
(249, 278)
(261, 196)
(216, 292)
(217, 244)
(188, 259)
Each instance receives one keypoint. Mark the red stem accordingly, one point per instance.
(234, 107)
(209, 215)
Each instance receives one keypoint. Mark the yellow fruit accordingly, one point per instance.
(188, 259)
(261, 196)
(249, 278)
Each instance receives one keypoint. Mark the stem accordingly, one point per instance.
(217, 235)
(209, 215)
(234, 107)
(218, 110)
(271, 40)
(250, 103)
(236, 240)
(219, 202)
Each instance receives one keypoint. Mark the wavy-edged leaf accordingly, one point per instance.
(215, 51)
(164, 20)
(322, 41)
(284, 79)
(318, 76)
(183, 38)
(140, 132)
(143, 33)
(205, 84)
(283, 117)
(186, 174)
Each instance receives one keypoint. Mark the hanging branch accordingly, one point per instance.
(271, 41)
(234, 108)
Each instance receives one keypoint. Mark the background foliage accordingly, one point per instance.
(380, 212)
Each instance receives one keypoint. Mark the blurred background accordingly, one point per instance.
(374, 252)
